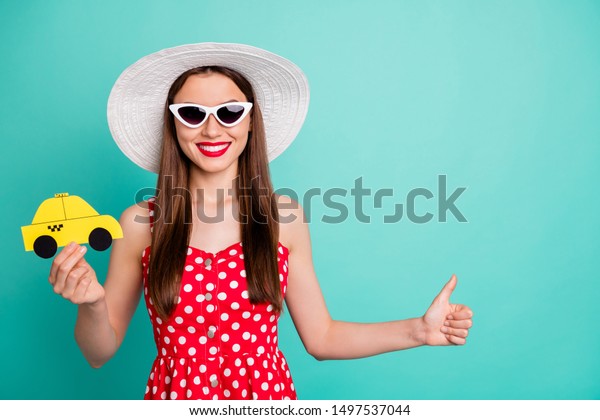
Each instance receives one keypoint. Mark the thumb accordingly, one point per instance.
(448, 289)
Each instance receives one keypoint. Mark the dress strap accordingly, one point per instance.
(151, 201)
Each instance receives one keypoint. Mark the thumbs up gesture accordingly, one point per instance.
(446, 323)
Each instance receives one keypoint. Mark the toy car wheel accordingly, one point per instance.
(45, 246)
(100, 239)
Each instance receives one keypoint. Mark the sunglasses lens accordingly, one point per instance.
(230, 113)
(192, 114)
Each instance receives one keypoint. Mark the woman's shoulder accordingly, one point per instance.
(135, 222)
(292, 219)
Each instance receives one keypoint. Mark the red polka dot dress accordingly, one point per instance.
(216, 344)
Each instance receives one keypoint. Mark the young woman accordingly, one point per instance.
(221, 252)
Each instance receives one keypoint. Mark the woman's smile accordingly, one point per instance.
(213, 149)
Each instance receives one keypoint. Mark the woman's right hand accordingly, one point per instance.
(73, 278)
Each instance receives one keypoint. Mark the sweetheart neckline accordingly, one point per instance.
(226, 249)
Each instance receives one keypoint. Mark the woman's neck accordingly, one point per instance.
(212, 187)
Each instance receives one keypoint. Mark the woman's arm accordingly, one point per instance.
(326, 338)
(104, 313)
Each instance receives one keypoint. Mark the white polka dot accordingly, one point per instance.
(235, 306)
(202, 368)
(256, 374)
(227, 393)
(188, 394)
(242, 371)
(197, 380)
(199, 260)
(188, 309)
(232, 264)
(222, 275)
(246, 335)
(212, 377)
(256, 317)
(182, 340)
(235, 326)
(179, 320)
(224, 316)
(280, 249)
(210, 287)
(167, 340)
(210, 308)
(250, 361)
(254, 396)
(200, 319)
(263, 328)
(205, 390)
(222, 296)
(163, 395)
(191, 351)
(246, 315)
(232, 252)
(264, 386)
(225, 338)
(235, 384)
(171, 329)
(189, 251)
(243, 273)
(233, 284)
(236, 347)
(245, 294)
(200, 298)
(270, 376)
(260, 350)
(187, 288)
(269, 308)
(191, 330)
(244, 393)
(213, 350)
(189, 267)
(276, 387)
(253, 339)
(203, 340)
(183, 383)
(280, 277)
(227, 372)
(199, 277)
(158, 321)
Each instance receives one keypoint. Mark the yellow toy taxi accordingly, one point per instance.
(66, 218)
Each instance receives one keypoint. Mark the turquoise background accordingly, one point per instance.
(503, 97)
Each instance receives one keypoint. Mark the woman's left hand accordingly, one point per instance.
(446, 323)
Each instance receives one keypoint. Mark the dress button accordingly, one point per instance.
(214, 383)
(208, 296)
(207, 262)
(211, 334)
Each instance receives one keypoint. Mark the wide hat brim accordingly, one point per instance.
(137, 99)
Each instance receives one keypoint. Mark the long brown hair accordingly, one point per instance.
(258, 215)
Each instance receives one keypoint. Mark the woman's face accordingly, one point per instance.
(212, 147)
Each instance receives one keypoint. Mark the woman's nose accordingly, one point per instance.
(212, 127)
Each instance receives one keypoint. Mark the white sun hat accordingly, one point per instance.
(137, 99)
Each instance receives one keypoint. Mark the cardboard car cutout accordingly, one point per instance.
(66, 218)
